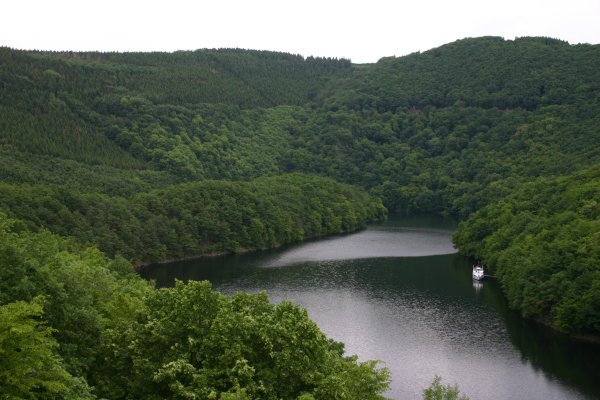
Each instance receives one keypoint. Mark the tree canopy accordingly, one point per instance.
(146, 157)
(75, 324)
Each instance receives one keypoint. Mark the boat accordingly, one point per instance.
(478, 273)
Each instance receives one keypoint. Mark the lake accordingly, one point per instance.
(398, 292)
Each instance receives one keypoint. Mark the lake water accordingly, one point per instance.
(398, 292)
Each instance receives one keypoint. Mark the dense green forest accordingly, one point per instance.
(197, 218)
(157, 156)
(543, 242)
(75, 324)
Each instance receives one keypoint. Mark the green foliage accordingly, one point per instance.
(81, 288)
(31, 369)
(542, 241)
(107, 327)
(438, 131)
(426, 132)
(188, 114)
(192, 342)
(230, 76)
(206, 141)
(155, 156)
(483, 72)
(437, 391)
(196, 218)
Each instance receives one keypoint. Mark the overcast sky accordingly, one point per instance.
(363, 31)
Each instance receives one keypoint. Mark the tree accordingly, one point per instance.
(437, 391)
(31, 368)
(192, 342)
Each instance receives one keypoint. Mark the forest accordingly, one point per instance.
(115, 160)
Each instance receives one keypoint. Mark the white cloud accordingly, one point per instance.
(361, 30)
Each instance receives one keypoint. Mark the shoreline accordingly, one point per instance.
(141, 265)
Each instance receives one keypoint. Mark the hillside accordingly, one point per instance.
(156, 156)
(483, 106)
(141, 112)
(483, 72)
(434, 131)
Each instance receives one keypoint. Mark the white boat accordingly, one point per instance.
(478, 272)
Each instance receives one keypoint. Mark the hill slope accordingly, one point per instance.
(453, 130)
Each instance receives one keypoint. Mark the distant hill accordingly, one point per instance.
(486, 72)
(247, 78)
(103, 108)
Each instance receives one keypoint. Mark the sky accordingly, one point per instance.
(362, 31)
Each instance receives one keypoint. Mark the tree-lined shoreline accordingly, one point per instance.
(152, 157)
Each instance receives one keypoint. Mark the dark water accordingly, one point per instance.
(398, 292)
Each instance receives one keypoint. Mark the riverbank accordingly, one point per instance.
(140, 266)
(418, 314)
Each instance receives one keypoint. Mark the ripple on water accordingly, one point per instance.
(402, 296)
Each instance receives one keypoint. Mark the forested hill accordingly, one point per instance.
(443, 130)
(114, 151)
(246, 78)
(153, 156)
(485, 72)
(502, 132)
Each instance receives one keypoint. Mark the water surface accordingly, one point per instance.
(398, 292)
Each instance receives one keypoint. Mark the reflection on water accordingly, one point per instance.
(399, 293)
(374, 242)
(477, 285)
